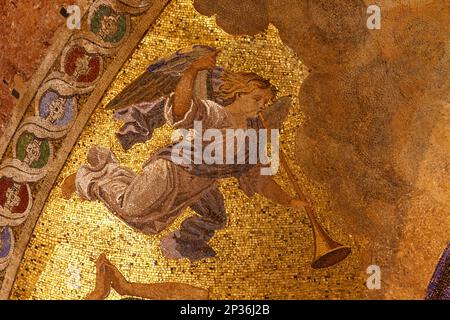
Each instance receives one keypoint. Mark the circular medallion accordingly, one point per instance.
(15, 202)
(33, 151)
(6, 246)
(57, 109)
(108, 24)
(81, 65)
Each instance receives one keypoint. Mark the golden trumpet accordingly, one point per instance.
(327, 252)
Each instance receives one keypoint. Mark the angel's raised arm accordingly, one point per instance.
(185, 88)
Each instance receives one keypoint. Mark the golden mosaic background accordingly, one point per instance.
(266, 250)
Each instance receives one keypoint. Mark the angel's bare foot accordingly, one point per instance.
(168, 247)
(102, 282)
(68, 187)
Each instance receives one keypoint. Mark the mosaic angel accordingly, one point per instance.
(182, 90)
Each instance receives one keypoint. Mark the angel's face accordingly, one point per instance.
(254, 102)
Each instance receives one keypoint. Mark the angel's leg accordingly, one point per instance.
(140, 200)
(191, 241)
(102, 169)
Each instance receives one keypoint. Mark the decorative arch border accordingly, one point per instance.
(51, 117)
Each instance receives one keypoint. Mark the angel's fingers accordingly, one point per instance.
(212, 61)
(213, 55)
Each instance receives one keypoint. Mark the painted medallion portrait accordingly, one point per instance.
(15, 202)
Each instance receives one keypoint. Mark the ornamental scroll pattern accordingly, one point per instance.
(56, 104)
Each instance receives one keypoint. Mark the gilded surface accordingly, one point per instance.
(266, 250)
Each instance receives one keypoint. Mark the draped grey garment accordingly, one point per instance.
(151, 200)
(439, 286)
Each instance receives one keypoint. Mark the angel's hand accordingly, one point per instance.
(297, 203)
(205, 63)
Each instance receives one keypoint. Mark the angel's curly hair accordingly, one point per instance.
(234, 83)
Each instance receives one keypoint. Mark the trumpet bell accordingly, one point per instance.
(327, 252)
(331, 257)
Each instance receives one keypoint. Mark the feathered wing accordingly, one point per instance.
(141, 104)
(146, 88)
(160, 79)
